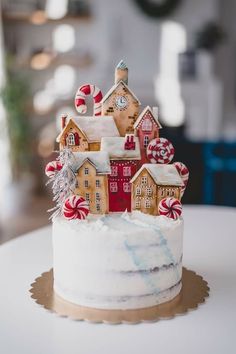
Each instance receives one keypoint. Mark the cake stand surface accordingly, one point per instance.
(209, 250)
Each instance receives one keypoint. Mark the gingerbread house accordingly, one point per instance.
(121, 102)
(124, 154)
(92, 169)
(147, 128)
(151, 184)
(85, 133)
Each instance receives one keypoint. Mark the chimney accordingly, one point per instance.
(63, 120)
(155, 112)
(129, 142)
(121, 73)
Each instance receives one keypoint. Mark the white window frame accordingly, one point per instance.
(138, 191)
(147, 125)
(126, 187)
(98, 184)
(137, 204)
(97, 196)
(98, 207)
(87, 197)
(71, 139)
(114, 170)
(145, 141)
(149, 191)
(113, 187)
(86, 170)
(86, 183)
(147, 204)
(127, 171)
(144, 180)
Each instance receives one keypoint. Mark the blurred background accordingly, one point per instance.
(181, 55)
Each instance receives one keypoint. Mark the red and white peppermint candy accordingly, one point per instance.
(81, 94)
(75, 207)
(184, 174)
(160, 150)
(52, 167)
(170, 207)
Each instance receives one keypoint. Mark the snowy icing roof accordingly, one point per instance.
(100, 160)
(146, 109)
(113, 88)
(115, 148)
(94, 128)
(121, 65)
(163, 174)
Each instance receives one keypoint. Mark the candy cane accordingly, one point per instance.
(75, 207)
(52, 167)
(160, 150)
(81, 94)
(170, 207)
(184, 174)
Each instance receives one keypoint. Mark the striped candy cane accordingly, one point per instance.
(81, 94)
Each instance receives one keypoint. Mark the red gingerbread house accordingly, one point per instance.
(147, 128)
(124, 154)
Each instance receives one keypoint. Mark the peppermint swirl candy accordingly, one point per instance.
(170, 207)
(75, 207)
(184, 174)
(52, 167)
(160, 150)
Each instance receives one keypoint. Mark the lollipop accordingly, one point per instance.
(184, 174)
(160, 150)
(52, 167)
(75, 207)
(87, 90)
(170, 207)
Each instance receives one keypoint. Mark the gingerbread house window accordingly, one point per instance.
(98, 183)
(87, 197)
(145, 141)
(113, 187)
(71, 139)
(138, 191)
(149, 191)
(127, 171)
(114, 170)
(147, 125)
(144, 180)
(97, 195)
(126, 187)
(137, 204)
(147, 204)
(98, 207)
(86, 171)
(86, 184)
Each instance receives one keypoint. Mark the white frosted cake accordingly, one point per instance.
(118, 261)
(117, 224)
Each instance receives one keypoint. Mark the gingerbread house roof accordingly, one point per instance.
(114, 87)
(115, 146)
(94, 128)
(99, 159)
(142, 114)
(163, 174)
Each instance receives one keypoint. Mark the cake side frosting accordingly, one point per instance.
(118, 261)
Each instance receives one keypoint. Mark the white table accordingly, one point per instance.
(209, 249)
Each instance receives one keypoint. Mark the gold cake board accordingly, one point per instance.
(194, 291)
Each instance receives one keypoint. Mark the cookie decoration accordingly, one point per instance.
(52, 167)
(160, 150)
(75, 207)
(87, 90)
(184, 174)
(170, 207)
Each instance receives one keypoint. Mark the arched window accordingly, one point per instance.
(147, 125)
(71, 139)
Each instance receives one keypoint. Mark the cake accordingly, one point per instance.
(117, 223)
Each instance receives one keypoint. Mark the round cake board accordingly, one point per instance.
(193, 293)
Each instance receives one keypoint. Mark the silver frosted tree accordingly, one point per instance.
(63, 182)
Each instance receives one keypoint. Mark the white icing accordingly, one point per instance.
(100, 159)
(118, 261)
(115, 146)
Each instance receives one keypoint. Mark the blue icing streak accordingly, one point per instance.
(122, 65)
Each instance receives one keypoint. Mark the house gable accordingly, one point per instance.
(117, 89)
(147, 114)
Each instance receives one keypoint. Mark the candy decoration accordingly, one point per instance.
(52, 167)
(184, 174)
(160, 150)
(75, 207)
(170, 207)
(87, 90)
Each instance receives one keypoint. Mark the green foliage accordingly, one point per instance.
(15, 97)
